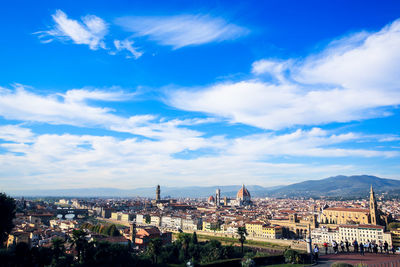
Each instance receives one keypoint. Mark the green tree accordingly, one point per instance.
(242, 232)
(79, 241)
(154, 248)
(194, 239)
(394, 225)
(7, 214)
(41, 256)
(58, 247)
(184, 239)
(112, 230)
(291, 256)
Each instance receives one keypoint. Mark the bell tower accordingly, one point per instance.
(158, 191)
(373, 209)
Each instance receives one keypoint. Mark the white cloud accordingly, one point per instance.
(72, 108)
(313, 143)
(91, 31)
(54, 160)
(355, 78)
(128, 45)
(15, 133)
(69, 108)
(182, 30)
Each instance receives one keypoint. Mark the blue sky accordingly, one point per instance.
(129, 94)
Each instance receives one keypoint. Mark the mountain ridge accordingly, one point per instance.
(334, 186)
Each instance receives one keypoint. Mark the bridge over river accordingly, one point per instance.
(67, 213)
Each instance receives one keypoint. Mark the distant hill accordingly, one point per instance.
(356, 185)
(338, 186)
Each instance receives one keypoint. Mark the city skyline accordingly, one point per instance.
(129, 95)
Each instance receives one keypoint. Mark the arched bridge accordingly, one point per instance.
(76, 212)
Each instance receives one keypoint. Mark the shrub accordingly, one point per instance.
(291, 256)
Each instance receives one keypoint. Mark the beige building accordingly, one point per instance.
(296, 227)
(192, 224)
(211, 226)
(345, 216)
(261, 230)
(155, 220)
(116, 216)
(340, 215)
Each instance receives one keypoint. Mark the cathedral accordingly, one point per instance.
(243, 198)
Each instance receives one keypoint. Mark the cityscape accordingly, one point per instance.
(189, 133)
(272, 225)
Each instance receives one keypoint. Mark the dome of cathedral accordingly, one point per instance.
(243, 193)
(211, 199)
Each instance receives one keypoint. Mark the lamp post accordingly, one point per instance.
(309, 243)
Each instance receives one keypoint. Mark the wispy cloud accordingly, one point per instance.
(16, 133)
(90, 31)
(36, 159)
(72, 108)
(354, 78)
(128, 46)
(182, 30)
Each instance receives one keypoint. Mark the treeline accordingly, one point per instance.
(104, 229)
(187, 248)
(84, 253)
(88, 254)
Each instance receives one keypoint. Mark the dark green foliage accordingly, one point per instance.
(154, 248)
(109, 229)
(42, 256)
(291, 256)
(58, 247)
(80, 243)
(112, 230)
(242, 232)
(394, 225)
(102, 254)
(7, 214)
(106, 254)
(194, 239)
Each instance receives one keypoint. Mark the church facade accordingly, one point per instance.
(338, 215)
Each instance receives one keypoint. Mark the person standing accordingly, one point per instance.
(342, 246)
(361, 249)
(355, 244)
(316, 251)
(376, 248)
(347, 245)
(381, 246)
(386, 247)
(326, 248)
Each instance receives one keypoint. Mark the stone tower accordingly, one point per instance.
(373, 209)
(158, 191)
(132, 234)
(218, 197)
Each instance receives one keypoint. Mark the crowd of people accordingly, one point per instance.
(371, 247)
